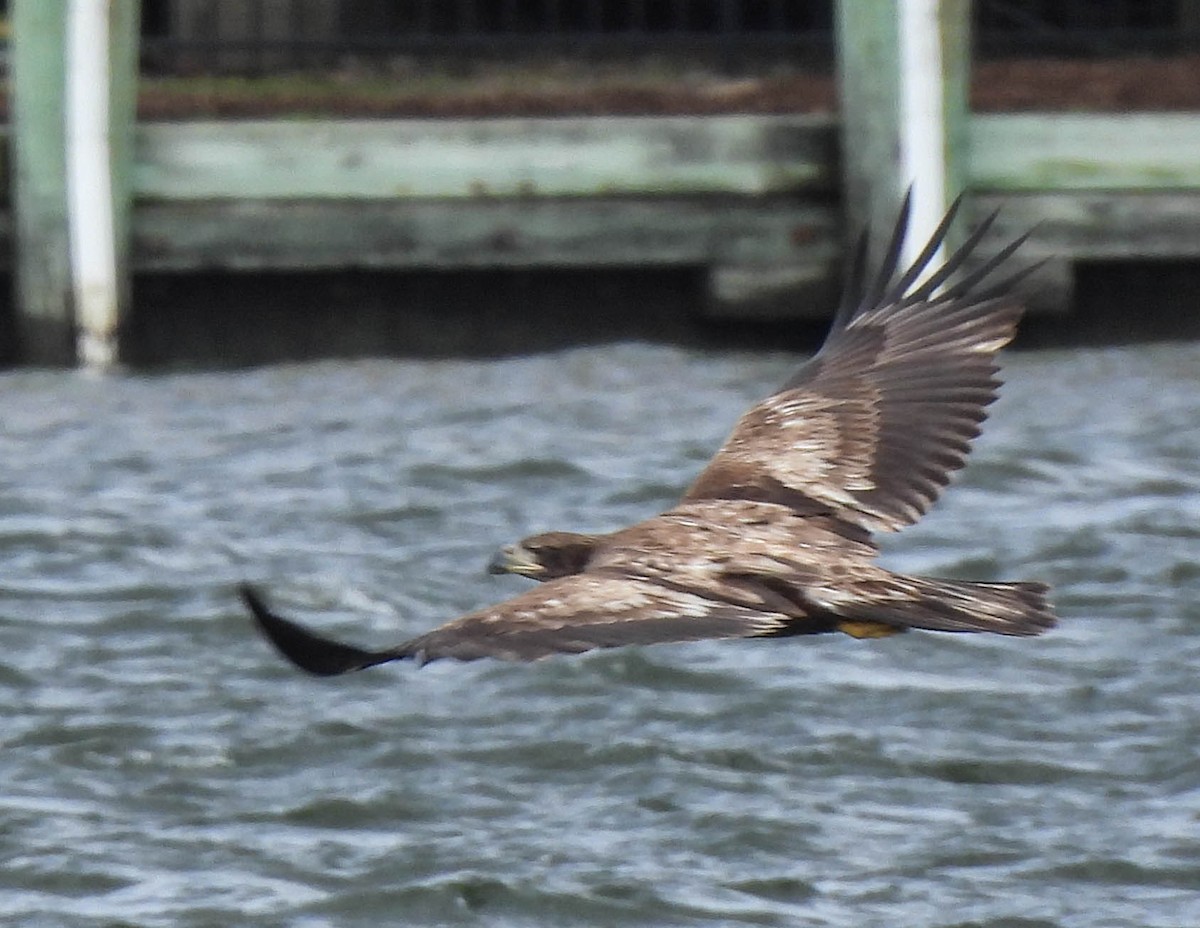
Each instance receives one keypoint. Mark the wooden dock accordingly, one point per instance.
(762, 202)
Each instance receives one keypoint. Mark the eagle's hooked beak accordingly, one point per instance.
(514, 559)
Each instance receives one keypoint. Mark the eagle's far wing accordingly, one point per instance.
(565, 616)
(871, 428)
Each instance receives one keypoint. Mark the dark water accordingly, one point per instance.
(161, 767)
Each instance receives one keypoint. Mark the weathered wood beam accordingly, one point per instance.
(762, 255)
(482, 158)
(274, 234)
(1098, 225)
(1084, 151)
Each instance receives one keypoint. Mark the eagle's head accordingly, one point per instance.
(545, 556)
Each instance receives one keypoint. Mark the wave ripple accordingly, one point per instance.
(162, 768)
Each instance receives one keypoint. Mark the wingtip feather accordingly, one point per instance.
(307, 650)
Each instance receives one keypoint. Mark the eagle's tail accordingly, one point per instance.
(961, 606)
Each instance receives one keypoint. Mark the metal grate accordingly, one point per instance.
(260, 35)
(1085, 28)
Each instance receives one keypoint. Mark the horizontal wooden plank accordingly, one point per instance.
(273, 234)
(1084, 151)
(280, 234)
(765, 258)
(483, 158)
(1097, 225)
(747, 245)
(794, 291)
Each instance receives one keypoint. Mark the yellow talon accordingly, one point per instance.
(868, 629)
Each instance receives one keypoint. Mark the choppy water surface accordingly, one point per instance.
(160, 766)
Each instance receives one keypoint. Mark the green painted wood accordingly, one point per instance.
(955, 18)
(776, 258)
(1089, 225)
(264, 234)
(773, 259)
(1085, 151)
(868, 44)
(484, 158)
(1098, 225)
(44, 302)
(124, 33)
(871, 75)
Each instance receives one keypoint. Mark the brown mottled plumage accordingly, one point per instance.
(773, 537)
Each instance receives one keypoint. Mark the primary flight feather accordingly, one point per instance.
(773, 539)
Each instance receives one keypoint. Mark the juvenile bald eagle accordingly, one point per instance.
(773, 539)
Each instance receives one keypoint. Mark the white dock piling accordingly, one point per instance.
(89, 183)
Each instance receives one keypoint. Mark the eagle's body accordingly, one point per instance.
(773, 538)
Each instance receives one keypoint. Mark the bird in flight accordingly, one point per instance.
(773, 539)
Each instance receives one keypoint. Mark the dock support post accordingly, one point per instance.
(903, 68)
(73, 116)
(42, 279)
(101, 101)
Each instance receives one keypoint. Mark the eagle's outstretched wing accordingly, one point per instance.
(566, 616)
(871, 428)
(865, 435)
